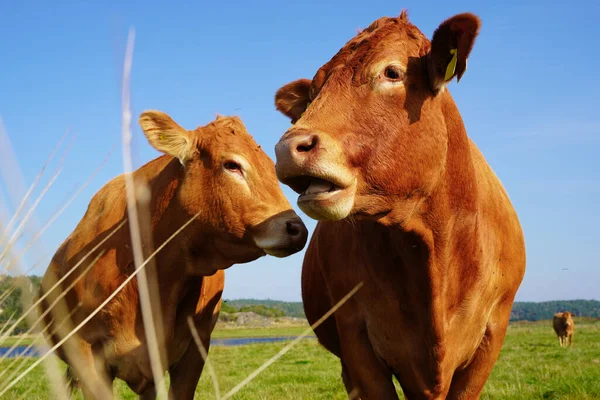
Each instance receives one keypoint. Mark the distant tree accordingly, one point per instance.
(227, 307)
(11, 306)
(290, 309)
(263, 310)
(530, 311)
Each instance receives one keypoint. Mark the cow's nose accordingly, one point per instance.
(300, 145)
(294, 227)
(296, 231)
(296, 148)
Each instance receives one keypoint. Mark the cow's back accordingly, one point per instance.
(97, 258)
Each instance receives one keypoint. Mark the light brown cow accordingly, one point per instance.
(408, 205)
(217, 171)
(564, 326)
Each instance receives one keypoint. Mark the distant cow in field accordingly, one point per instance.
(406, 204)
(564, 326)
(216, 171)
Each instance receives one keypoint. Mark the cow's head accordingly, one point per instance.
(372, 126)
(231, 182)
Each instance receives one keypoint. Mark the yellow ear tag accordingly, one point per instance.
(161, 137)
(451, 68)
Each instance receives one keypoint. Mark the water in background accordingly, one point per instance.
(33, 351)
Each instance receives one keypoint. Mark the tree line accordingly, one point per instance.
(11, 306)
(533, 311)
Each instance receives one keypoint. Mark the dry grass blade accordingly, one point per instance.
(36, 264)
(204, 354)
(6, 325)
(65, 276)
(5, 295)
(12, 177)
(51, 306)
(56, 379)
(97, 310)
(19, 367)
(58, 213)
(14, 183)
(31, 188)
(32, 208)
(16, 235)
(294, 342)
(24, 359)
(8, 292)
(134, 229)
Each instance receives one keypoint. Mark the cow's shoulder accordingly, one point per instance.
(107, 206)
(105, 211)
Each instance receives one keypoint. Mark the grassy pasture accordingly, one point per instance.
(531, 366)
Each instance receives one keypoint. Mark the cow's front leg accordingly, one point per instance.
(149, 393)
(186, 373)
(372, 379)
(88, 369)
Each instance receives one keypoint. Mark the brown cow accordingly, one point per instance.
(217, 171)
(564, 326)
(408, 205)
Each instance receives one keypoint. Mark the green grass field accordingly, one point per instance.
(531, 366)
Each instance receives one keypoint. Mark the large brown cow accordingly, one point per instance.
(408, 205)
(217, 171)
(564, 327)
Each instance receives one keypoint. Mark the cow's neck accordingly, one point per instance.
(194, 250)
(441, 261)
(453, 217)
(168, 271)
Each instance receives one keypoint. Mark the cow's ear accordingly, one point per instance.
(450, 47)
(292, 99)
(165, 135)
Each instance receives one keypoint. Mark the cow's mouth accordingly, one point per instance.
(322, 199)
(284, 252)
(310, 188)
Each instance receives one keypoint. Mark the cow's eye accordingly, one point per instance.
(393, 74)
(232, 166)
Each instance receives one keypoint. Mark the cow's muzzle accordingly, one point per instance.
(281, 235)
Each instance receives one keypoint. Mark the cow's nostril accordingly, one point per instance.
(307, 144)
(292, 228)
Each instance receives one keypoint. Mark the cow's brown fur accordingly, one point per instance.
(564, 326)
(407, 204)
(216, 171)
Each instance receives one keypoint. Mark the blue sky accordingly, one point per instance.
(529, 101)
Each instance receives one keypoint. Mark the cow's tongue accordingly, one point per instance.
(319, 186)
